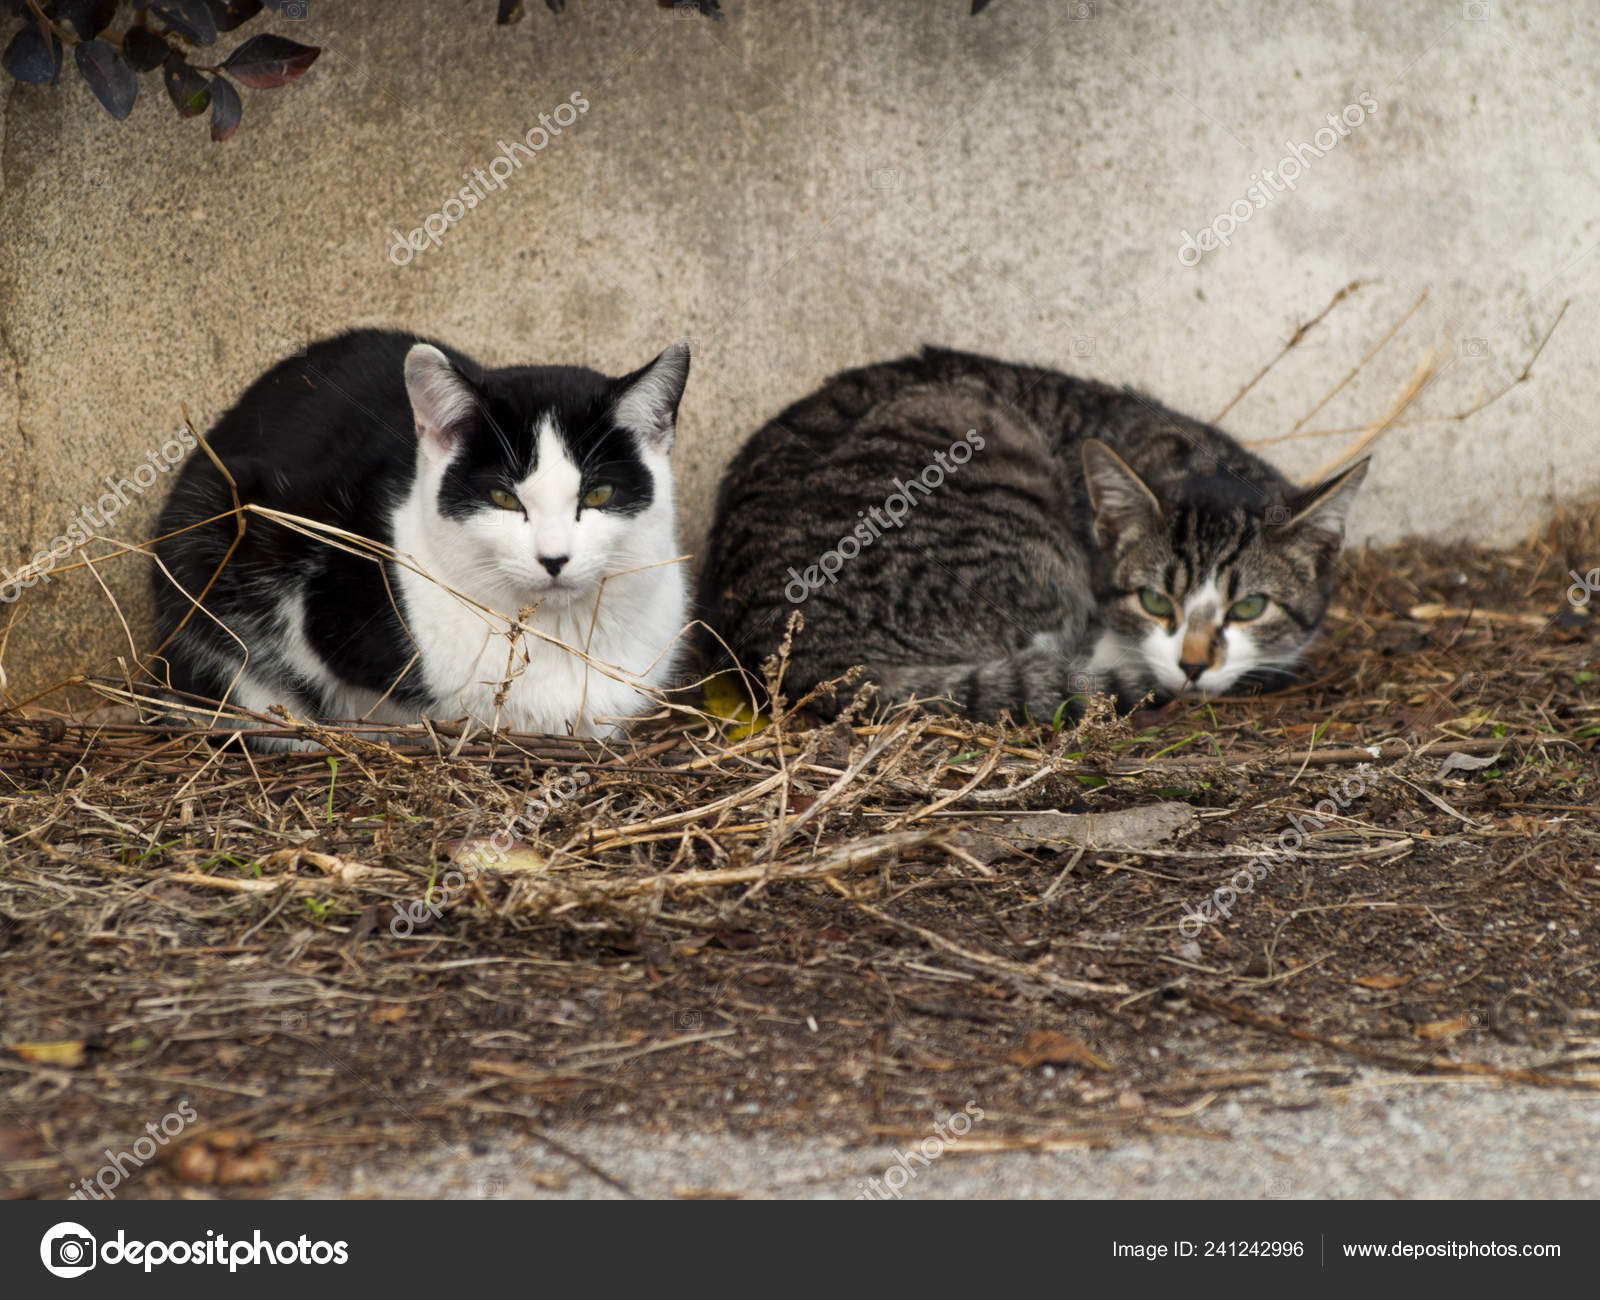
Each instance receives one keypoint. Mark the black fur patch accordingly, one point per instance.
(501, 440)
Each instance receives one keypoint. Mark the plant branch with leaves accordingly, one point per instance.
(167, 36)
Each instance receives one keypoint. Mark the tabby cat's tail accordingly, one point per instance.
(1044, 681)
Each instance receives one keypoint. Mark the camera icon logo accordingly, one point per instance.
(68, 1250)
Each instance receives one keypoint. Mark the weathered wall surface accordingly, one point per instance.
(810, 185)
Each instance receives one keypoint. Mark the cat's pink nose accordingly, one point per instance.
(553, 563)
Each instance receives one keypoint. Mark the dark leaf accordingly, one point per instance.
(225, 108)
(266, 61)
(114, 83)
(556, 6)
(86, 17)
(190, 91)
(28, 58)
(509, 11)
(228, 14)
(191, 19)
(144, 49)
(978, 6)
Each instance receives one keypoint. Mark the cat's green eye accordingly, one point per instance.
(1155, 604)
(594, 498)
(1242, 611)
(505, 500)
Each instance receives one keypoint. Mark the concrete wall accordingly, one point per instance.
(811, 185)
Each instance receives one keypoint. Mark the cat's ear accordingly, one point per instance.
(1319, 515)
(442, 401)
(1117, 496)
(649, 397)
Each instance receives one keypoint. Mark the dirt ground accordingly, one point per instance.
(1101, 935)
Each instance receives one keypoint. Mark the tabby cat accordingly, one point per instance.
(1012, 540)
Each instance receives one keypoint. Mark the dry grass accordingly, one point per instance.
(867, 923)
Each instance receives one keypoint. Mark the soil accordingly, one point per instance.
(857, 925)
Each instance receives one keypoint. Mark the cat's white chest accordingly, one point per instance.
(580, 669)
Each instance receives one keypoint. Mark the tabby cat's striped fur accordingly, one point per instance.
(1090, 539)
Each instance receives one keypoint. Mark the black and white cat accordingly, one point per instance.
(543, 492)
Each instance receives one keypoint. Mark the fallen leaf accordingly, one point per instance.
(726, 699)
(1435, 1029)
(388, 1015)
(1459, 762)
(226, 1157)
(1047, 1047)
(1383, 981)
(68, 1054)
(1121, 828)
(480, 854)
